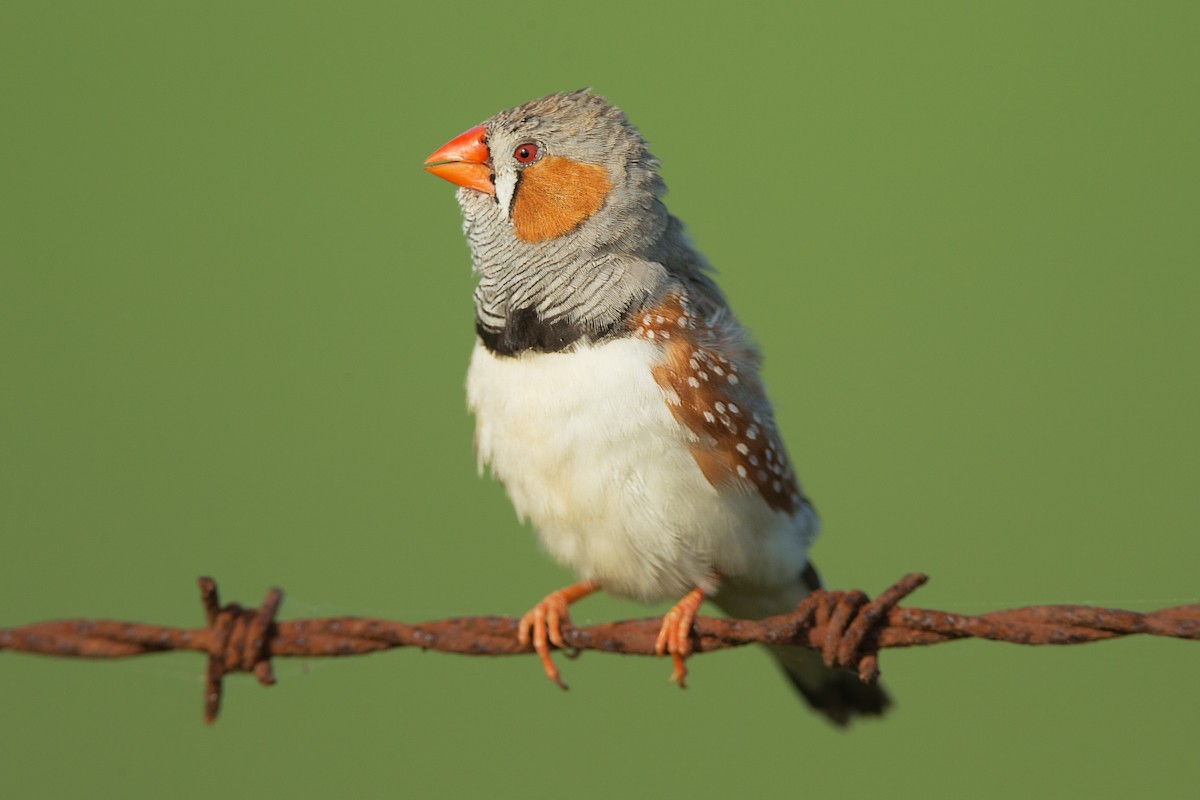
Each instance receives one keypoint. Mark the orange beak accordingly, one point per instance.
(464, 161)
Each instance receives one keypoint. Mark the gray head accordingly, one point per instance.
(562, 210)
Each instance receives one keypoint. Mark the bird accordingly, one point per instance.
(616, 396)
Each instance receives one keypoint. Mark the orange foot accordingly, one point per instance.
(545, 621)
(675, 635)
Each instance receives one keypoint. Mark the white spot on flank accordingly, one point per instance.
(733, 409)
(776, 485)
(649, 334)
(742, 448)
(733, 379)
(754, 461)
(692, 382)
(682, 322)
(720, 407)
(752, 433)
(646, 320)
(659, 319)
(703, 375)
(708, 417)
(741, 470)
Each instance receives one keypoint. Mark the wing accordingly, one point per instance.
(709, 378)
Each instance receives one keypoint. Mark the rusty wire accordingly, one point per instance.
(847, 627)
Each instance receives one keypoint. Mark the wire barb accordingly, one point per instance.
(847, 627)
(238, 642)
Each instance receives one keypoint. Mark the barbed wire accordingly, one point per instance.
(846, 626)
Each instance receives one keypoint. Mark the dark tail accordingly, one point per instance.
(836, 693)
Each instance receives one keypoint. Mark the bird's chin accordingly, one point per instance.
(466, 195)
(477, 205)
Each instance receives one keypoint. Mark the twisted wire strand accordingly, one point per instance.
(847, 627)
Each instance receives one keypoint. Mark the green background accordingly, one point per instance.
(235, 317)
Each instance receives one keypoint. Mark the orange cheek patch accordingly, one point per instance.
(555, 196)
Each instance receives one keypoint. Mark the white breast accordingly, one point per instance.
(589, 452)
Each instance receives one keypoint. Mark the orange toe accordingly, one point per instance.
(542, 625)
(675, 637)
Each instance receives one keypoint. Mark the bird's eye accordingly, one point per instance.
(525, 153)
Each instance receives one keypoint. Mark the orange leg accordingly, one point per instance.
(675, 635)
(543, 623)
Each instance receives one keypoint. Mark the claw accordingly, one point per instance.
(674, 636)
(542, 625)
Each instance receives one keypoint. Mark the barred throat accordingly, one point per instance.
(550, 309)
(548, 296)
